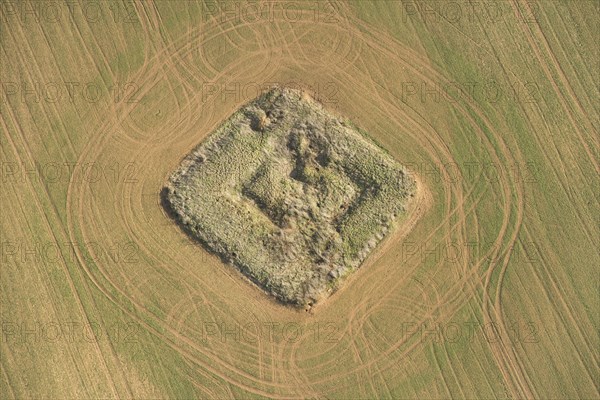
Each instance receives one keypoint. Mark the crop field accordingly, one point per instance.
(486, 287)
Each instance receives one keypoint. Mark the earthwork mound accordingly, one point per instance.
(290, 194)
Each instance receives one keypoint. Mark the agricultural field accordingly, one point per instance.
(470, 270)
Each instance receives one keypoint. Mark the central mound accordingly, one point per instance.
(290, 194)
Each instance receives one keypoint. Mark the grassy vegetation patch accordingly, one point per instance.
(290, 194)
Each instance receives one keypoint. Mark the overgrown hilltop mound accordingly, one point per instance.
(290, 194)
